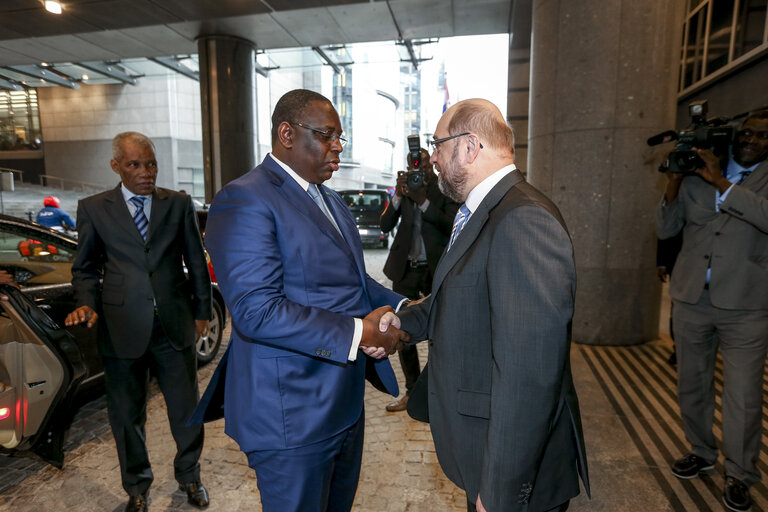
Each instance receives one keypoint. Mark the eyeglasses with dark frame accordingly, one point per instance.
(327, 136)
(435, 142)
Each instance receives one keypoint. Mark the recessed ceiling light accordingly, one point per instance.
(53, 6)
(84, 77)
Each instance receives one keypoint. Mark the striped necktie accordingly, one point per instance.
(141, 221)
(458, 223)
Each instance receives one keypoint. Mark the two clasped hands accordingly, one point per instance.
(381, 333)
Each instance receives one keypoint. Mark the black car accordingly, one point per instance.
(366, 206)
(43, 366)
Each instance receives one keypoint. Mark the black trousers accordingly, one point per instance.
(127, 383)
(415, 281)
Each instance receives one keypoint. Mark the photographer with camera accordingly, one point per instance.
(718, 289)
(426, 219)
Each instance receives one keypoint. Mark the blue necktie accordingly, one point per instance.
(744, 175)
(141, 221)
(458, 223)
(314, 193)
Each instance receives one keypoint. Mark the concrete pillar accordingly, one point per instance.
(228, 99)
(518, 79)
(603, 78)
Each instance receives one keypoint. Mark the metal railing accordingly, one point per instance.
(45, 180)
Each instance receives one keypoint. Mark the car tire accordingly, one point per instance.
(385, 243)
(208, 344)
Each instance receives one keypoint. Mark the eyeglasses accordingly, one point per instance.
(435, 142)
(327, 136)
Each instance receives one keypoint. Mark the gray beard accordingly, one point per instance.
(453, 189)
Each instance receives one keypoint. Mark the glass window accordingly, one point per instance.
(694, 48)
(750, 26)
(36, 258)
(719, 35)
(19, 120)
(192, 181)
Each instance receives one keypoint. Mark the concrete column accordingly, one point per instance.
(603, 78)
(228, 99)
(518, 79)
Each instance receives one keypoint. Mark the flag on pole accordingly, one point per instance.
(446, 96)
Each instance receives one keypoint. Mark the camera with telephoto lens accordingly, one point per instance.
(714, 134)
(415, 178)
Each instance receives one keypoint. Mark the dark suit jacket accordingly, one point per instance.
(110, 249)
(733, 241)
(436, 224)
(502, 406)
(293, 285)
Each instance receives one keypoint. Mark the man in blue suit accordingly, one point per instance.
(291, 269)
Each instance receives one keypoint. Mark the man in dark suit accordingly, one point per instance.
(289, 261)
(426, 217)
(718, 290)
(133, 244)
(502, 406)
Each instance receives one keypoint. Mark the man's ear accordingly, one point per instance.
(473, 146)
(115, 166)
(285, 134)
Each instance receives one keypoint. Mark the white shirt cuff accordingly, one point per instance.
(356, 337)
(401, 304)
(424, 206)
(396, 200)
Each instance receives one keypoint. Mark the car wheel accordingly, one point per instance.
(385, 243)
(210, 340)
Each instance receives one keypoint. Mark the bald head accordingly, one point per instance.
(485, 120)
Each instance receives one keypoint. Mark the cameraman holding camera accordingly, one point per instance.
(425, 227)
(719, 288)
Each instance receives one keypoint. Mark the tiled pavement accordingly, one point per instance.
(631, 424)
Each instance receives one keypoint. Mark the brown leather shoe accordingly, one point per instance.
(399, 405)
(197, 495)
(138, 503)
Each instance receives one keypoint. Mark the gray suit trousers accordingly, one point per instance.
(742, 338)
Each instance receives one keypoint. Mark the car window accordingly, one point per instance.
(35, 258)
(364, 200)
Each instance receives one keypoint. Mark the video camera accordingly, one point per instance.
(714, 134)
(416, 176)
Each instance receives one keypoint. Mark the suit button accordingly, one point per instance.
(431, 343)
(717, 233)
(706, 257)
(150, 274)
(146, 250)
(318, 352)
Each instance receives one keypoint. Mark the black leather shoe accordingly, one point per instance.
(690, 466)
(398, 405)
(138, 503)
(736, 495)
(197, 495)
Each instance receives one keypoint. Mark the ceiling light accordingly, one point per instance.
(84, 77)
(53, 6)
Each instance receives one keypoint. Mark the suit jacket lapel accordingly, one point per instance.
(472, 228)
(116, 208)
(157, 217)
(299, 198)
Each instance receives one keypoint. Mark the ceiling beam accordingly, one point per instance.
(176, 65)
(108, 69)
(327, 59)
(40, 72)
(10, 85)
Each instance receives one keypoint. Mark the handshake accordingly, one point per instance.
(381, 333)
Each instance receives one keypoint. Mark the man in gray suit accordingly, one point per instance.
(718, 289)
(502, 406)
(133, 244)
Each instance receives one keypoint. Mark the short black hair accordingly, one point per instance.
(758, 114)
(291, 106)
